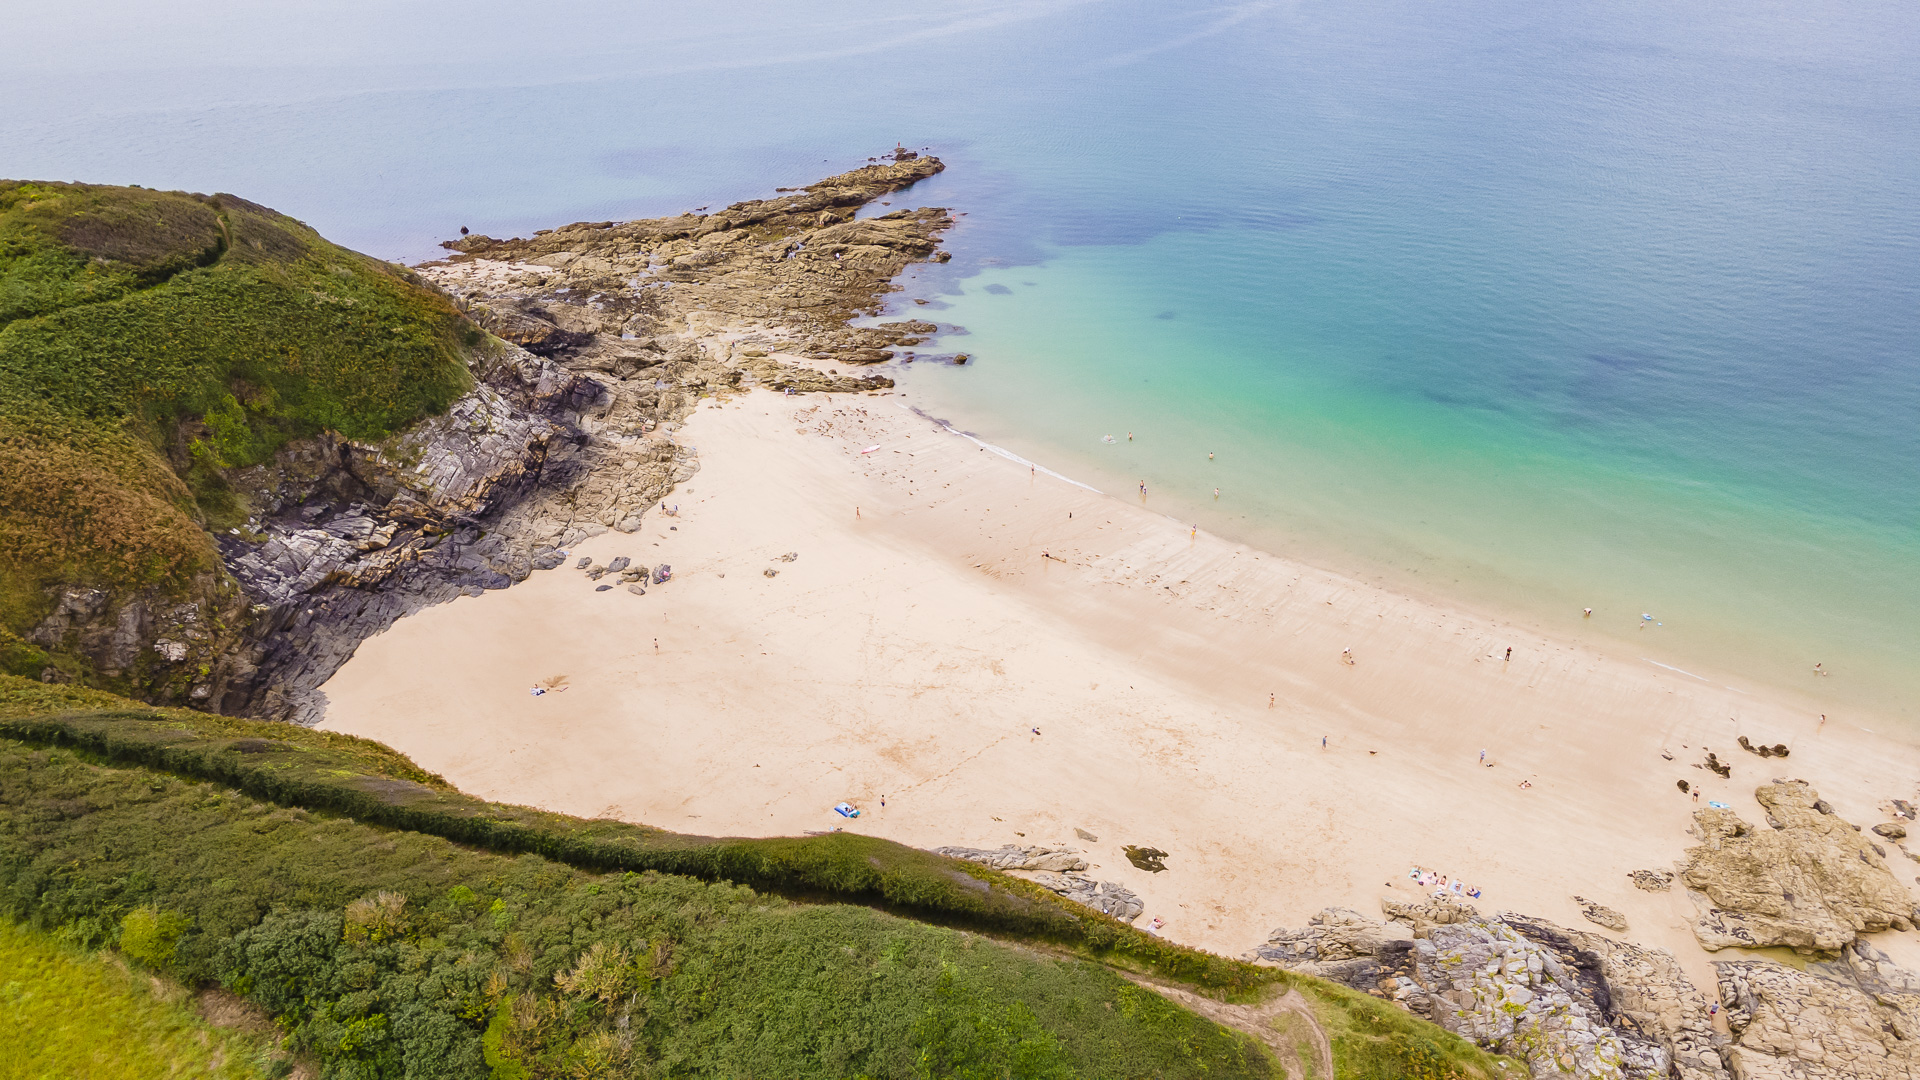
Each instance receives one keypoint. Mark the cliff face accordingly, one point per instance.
(221, 526)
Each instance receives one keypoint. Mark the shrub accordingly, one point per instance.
(148, 935)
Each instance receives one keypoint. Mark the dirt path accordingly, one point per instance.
(1285, 1039)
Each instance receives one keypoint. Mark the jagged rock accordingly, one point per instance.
(1432, 911)
(1568, 1002)
(790, 556)
(595, 573)
(1651, 880)
(1013, 857)
(1892, 830)
(1601, 915)
(1717, 767)
(547, 560)
(1854, 1019)
(1811, 882)
(1645, 995)
(585, 561)
(618, 564)
(1085, 835)
(1341, 945)
(1111, 897)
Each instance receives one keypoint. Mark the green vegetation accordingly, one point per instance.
(317, 874)
(64, 1012)
(150, 342)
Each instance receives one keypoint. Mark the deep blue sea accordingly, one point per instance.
(1537, 306)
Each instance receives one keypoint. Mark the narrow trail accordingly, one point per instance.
(1258, 1021)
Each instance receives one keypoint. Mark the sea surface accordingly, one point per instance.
(1531, 306)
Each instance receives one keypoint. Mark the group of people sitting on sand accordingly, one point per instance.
(1442, 888)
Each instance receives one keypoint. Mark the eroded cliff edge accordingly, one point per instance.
(599, 338)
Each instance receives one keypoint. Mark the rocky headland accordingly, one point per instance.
(599, 338)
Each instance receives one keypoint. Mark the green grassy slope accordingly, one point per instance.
(64, 1012)
(273, 859)
(151, 341)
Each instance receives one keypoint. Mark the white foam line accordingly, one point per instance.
(1682, 671)
(1001, 450)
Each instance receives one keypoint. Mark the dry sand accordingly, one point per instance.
(907, 653)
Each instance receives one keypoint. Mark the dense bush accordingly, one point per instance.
(394, 954)
(322, 771)
(317, 873)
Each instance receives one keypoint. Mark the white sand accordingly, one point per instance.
(907, 654)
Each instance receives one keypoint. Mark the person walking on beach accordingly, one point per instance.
(1269, 701)
(1483, 757)
(1216, 493)
(1509, 652)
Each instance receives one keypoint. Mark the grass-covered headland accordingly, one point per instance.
(396, 928)
(152, 342)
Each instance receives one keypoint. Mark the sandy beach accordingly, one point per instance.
(944, 601)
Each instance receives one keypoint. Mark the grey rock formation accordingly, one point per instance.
(1857, 1018)
(1111, 897)
(1568, 1002)
(1812, 882)
(1011, 857)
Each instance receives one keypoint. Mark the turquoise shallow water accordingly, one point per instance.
(1542, 306)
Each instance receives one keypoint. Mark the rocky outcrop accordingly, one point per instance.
(1568, 1002)
(1651, 880)
(1811, 882)
(1013, 857)
(1109, 896)
(1857, 1018)
(1600, 914)
(603, 337)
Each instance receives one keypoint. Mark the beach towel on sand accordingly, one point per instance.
(846, 810)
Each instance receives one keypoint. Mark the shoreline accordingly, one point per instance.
(1382, 575)
(907, 653)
